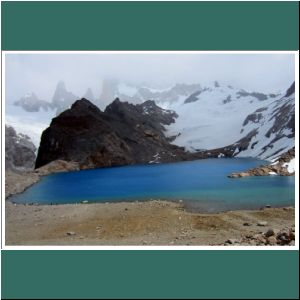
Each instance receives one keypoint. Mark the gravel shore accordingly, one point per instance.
(139, 223)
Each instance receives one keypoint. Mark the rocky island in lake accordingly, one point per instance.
(191, 164)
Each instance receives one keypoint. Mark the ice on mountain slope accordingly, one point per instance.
(209, 117)
(275, 129)
(212, 121)
(290, 166)
(112, 89)
(31, 103)
(31, 116)
(127, 90)
(29, 123)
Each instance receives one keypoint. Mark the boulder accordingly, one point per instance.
(262, 223)
(269, 233)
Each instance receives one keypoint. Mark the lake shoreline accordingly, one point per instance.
(204, 180)
(155, 222)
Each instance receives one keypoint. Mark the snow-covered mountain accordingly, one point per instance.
(29, 123)
(31, 103)
(218, 117)
(245, 123)
(31, 115)
(19, 151)
(272, 128)
(112, 89)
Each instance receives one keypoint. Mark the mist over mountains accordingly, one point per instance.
(233, 120)
(39, 73)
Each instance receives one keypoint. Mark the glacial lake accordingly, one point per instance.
(202, 185)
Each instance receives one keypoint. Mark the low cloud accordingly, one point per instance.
(41, 72)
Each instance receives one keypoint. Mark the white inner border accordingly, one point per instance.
(296, 247)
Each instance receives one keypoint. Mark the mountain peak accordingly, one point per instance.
(31, 103)
(123, 134)
(89, 94)
(216, 84)
(62, 99)
(61, 85)
(84, 104)
(290, 90)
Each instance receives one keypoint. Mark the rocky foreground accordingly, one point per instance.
(145, 223)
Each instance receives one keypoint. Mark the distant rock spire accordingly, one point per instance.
(31, 103)
(62, 99)
(109, 90)
(217, 84)
(89, 95)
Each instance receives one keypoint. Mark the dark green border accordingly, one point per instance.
(150, 25)
(151, 274)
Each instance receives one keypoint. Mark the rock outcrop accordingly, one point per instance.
(279, 167)
(57, 166)
(19, 151)
(123, 134)
(271, 237)
(291, 90)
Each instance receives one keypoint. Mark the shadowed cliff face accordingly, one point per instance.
(123, 134)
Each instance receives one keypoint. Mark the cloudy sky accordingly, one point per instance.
(40, 72)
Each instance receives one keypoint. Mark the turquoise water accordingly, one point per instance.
(201, 184)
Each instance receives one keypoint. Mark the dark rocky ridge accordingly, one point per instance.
(291, 90)
(193, 97)
(123, 134)
(259, 96)
(19, 151)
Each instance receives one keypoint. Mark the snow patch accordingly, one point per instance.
(29, 123)
(272, 173)
(290, 166)
(156, 159)
(127, 90)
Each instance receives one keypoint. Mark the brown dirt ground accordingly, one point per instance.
(136, 223)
